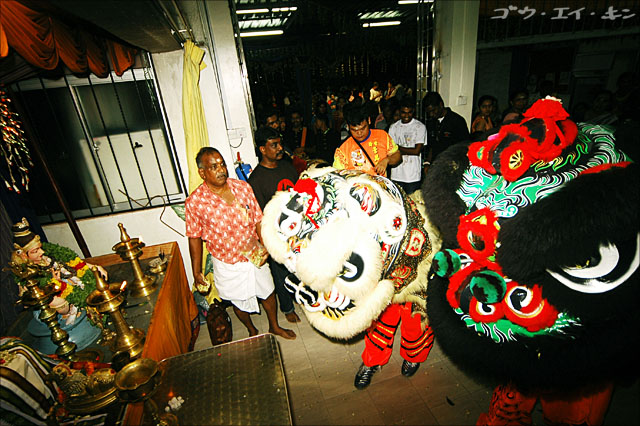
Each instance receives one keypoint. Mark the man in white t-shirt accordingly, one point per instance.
(374, 93)
(410, 135)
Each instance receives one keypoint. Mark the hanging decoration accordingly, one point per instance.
(13, 148)
(45, 40)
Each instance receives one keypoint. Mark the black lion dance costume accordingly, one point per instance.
(361, 250)
(536, 283)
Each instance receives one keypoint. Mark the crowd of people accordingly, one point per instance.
(371, 130)
(320, 134)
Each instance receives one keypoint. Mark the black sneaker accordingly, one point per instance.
(409, 368)
(364, 375)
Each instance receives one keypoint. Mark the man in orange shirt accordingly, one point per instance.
(369, 150)
(373, 151)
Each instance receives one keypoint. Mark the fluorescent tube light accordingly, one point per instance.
(249, 11)
(284, 9)
(380, 24)
(261, 33)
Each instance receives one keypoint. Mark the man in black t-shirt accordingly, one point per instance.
(270, 175)
(445, 127)
(325, 139)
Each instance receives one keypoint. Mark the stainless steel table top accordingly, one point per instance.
(237, 383)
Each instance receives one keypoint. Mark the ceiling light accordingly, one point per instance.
(380, 24)
(260, 24)
(250, 11)
(261, 33)
(373, 16)
(284, 9)
(413, 1)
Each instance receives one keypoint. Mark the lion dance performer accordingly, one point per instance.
(359, 249)
(536, 284)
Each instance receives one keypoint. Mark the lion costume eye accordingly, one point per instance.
(526, 307)
(290, 220)
(519, 299)
(484, 312)
(611, 267)
(352, 268)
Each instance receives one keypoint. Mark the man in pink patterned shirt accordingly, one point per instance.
(224, 213)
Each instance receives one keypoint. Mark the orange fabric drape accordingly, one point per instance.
(44, 41)
(4, 46)
(121, 56)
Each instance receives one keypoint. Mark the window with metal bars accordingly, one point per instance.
(105, 141)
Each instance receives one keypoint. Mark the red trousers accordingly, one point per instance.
(510, 407)
(415, 344)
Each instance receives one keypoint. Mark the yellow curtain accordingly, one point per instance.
(195, 129)
(195, 125)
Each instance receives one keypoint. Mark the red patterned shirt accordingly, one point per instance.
(226, 228)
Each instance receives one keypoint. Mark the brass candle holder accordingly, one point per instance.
(137, 382)
(107, 299)
(36, 298)
(131, 249)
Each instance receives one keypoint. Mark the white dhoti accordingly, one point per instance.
(242, 283)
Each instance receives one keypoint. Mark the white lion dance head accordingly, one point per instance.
(354, 243)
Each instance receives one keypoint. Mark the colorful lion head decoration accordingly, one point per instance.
(354, 243)
(537, 279)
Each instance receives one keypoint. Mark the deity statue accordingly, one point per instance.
(70, 275)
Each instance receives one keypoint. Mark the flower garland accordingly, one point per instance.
(77, 295)
(75, 290)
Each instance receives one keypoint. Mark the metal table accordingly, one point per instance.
(237, 383)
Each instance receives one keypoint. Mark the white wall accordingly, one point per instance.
(168, 68)
(494, 67)
(234, 91)
(102, 233)
(455, 44)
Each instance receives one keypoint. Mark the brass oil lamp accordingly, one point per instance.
(107, 299)
(130, 249)
(36, 298)
(137, 382)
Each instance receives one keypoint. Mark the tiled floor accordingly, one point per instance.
(320, 372)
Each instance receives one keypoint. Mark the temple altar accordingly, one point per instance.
(241, 382)
(169, 315)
